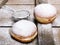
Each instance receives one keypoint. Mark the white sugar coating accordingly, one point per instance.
(46, 26)
(24, 28)
(45, 10)
(21, 14)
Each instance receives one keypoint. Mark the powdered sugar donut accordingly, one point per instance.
(24, 30)
(45, 13)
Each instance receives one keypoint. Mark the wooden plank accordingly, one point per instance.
(45, 34)
(50, 1)
(54, 1)
(5, 38)
(56, 35)
(43, 1)
(56, 30)
(6, 22)
(20, 2)
(36, 2)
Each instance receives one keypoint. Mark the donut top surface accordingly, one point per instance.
(24, 28)
(45, 10)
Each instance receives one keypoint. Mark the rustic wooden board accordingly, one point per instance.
(56, 35)
(36, 2)
(43, 1)
(56, 30)
(45, 34)
(20, 1)
(6, 22)
(54, 1)
(50, 1)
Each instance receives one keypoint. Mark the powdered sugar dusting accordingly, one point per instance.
(46, 26)
(45, 10)
(24, 28)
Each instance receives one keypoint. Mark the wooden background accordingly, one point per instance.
(46, 36)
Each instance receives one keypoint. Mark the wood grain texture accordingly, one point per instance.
(43, 1)
(56, 35)
(50, 1)
(45, 34)
(54, 1)
(6, 22)
(36, 2)
(20, 2)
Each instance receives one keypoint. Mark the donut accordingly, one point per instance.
(24, 31)
(45, 13)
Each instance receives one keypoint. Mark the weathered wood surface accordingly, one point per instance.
(20, 1)
(43, 1)
(54, 1)
(50, 1)
(56, 30)
(56, 35)
(45, 34)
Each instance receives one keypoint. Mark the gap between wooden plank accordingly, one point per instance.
(36, 3)
(55, 26)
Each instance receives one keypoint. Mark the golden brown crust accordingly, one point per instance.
(45, 20)
(24, 39)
